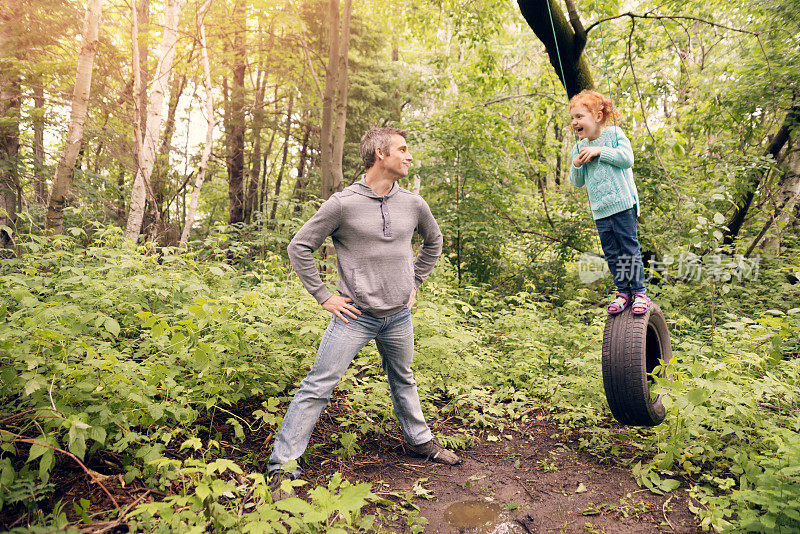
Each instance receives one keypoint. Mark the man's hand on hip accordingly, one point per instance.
(412, 299)
(339, 306)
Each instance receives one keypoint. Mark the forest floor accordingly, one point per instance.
(530, 479)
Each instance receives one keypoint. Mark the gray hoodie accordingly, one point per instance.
(372, 237)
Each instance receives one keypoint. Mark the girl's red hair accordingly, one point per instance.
(595, 102)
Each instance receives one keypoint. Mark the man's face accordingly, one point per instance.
(398, 160)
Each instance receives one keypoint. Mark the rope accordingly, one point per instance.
(608, 78)
(558, 53)
(566, 92)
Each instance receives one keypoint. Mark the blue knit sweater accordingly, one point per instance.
(608, 178)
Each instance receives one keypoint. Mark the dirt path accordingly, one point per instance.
(526, 481)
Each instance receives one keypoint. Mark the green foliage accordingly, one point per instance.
(731, 403)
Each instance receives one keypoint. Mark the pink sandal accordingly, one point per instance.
(641, 303)
(618, 304)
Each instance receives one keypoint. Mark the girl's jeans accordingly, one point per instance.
(621, 248)
(394, 336)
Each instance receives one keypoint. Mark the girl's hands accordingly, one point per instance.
(586, 154)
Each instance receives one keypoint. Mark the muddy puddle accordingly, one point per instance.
(480, 517)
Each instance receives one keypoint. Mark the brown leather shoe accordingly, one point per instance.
(433, 451)
(276, 487)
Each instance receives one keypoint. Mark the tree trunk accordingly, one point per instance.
(785, 202)
(331, 75)
(80, 103)
(141, 183)
(161, 168)
(140, 44)
(10, 100)
(236, 137)
(283, 159)
(734, 224)
(39, 181)
(201, 173)
(300, 184)
(341, 102)
(566, 50)
(121, 193)
(255, 157)
(264, 184)
(559, 135)
(143, 45)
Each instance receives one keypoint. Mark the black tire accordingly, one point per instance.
(632, 348)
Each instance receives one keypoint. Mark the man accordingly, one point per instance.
(371, 223)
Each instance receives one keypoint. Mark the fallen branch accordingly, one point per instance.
(88, 471)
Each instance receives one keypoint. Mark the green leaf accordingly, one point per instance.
(7, 473)
(77, 438)
(698, 396)
(46, 464)
(35, 384)
(669, 484)
(202, 490)
(38, 450)
(97, 433)
(112, 326)
(294, 506)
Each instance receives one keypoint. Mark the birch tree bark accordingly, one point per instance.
(147, 153)
(201, 173)
(54, 222)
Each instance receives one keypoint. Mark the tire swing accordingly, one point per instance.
(632, 348)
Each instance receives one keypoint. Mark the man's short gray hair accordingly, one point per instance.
(378, 138)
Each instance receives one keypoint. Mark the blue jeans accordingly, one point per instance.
(621, 248)
(394, 336)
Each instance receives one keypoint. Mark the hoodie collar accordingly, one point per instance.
(363, 189)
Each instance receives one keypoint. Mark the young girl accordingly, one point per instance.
(602, 160)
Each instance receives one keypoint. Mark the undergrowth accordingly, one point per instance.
(122, 359)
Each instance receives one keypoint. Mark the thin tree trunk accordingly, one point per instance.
(143, 46)
(787, 198)
(559, 135)
(39, 180)
(300, 184)
(341, 101)
(80, 103)
(255, 157)
(267, 154)
(201, 173)
(734, 224)
(331, 75)
(140, 41)
(283, 159)
(10, 101)
(161, 167)
(141, 183)
(121, 192)
(237, 125)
